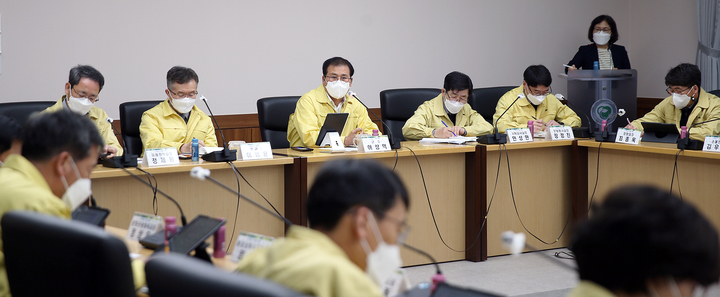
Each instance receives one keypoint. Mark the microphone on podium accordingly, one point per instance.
(219, 156)
(497, 138)
(126, 160)
(203, 174)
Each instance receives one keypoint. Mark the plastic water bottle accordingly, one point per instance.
(683, 132)
(531, 126)
(376, 132)
(195, 150)
(170, 227)
(596, 65)
(219, 243)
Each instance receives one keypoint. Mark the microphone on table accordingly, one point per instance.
(203, 174)
(515, 242)
(438, 277)
(219, 156)
(604, 135)
(394, 142)
(685, 143)
(497, 138)
(183, 220)
(126, 160)
(579, 132)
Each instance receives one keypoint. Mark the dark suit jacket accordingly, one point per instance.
(587, 54)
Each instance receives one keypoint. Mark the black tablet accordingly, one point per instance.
(447, 290)
(194, 234)
(91, 215)
(334, 122)
(660, 132)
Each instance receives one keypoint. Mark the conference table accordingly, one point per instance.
(696, 179)
(460, 181)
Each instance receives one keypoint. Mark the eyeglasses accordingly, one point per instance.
(453, 96)
(184, 95)
(404, 228)
(538, 93)
(598, 29)
(332, 78)
(676, 90)
(93, 98)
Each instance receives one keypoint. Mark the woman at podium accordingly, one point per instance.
(603, 50)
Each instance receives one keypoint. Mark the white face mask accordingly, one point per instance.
(80, 106)
(337, 89)
(381, 263)
(77, 193)
(535, 100)
(183, 105)
(601, 38)
(681, 101)
(453, 106)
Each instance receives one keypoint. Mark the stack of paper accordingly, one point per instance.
(453, 140)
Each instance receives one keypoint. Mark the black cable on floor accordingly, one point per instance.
(237, 171)
(432, 214)
(512, 193)
(597, 174)
(155, 205)
(675, 169)
(237, 210)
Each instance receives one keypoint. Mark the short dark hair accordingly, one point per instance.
(685, 74)
(536, 75)
(181, 75)
(10, 131)
(458, 81)
(337, 61)
(48, 134)
(640, 233)
(613, 27)
(85, 71)
(342, 185)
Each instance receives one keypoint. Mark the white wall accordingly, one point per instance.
(245, 50)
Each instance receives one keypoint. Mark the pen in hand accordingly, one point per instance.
(446, 126)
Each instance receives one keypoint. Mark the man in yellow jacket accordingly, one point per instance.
(687, 104)
(81, 94)
(331, 97)
(177, 120)
(351, 248)
(539, 104)
(448, 114)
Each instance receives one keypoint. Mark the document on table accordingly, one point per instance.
(451, 140)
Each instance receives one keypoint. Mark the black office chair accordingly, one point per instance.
(21, 111)
(180, 275)
(130, 117)
(49, 256)
(715, 92)
(273, 115)
(484, 100)
(398, 105)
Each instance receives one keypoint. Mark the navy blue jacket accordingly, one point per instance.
(587, 54)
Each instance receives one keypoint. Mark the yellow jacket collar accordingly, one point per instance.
(316, 238)
(19, 163)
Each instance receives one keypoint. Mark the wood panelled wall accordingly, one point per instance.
(245, 126)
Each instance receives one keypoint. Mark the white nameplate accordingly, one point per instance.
(143, 224)
(712, 144)
(396, 284)
(246, 242)
(517, 135)
(628, 136)
(160, 157)
(255, 151)
(559, 133)
(334, 140)
(372, 144)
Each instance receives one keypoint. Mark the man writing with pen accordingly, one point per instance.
(448, 114)
(539, 105)
(331, 97)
